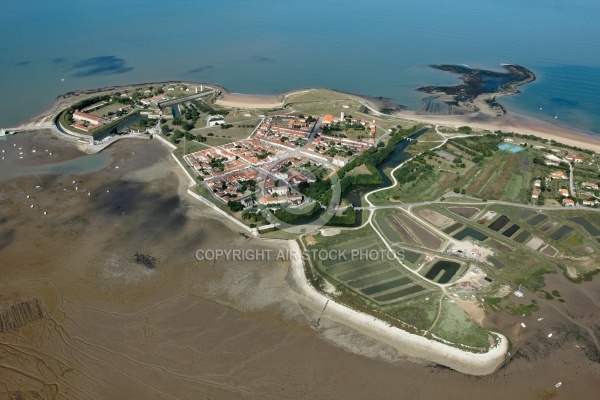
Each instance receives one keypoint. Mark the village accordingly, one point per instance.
(567, 192)
(282, 154)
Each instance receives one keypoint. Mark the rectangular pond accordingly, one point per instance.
(525, 213)
(522, 237)
(346, 267)
(511, 231)
(372, 269)
(497, 263)
(561, 232)
(587, 225)
(452, 228)
(382, 287)
(400, 293)
(499, 223)
(537, 219)
(449, 267)
(472, 233)
(374, 279)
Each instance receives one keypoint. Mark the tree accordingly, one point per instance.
(177, 134)
(188, 126)
(235, 206)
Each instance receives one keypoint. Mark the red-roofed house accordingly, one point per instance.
(372, 128)
(574, 158)
(327, 119)
(150, 100)
(563, 192)
(568, 203)
(92, 119)
(535, 194)
(558, 175)
(590, 185)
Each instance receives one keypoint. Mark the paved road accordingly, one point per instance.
(473, 203)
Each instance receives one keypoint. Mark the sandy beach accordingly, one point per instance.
(239, 100)
(511, 122)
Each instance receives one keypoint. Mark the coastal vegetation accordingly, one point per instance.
(451, 209)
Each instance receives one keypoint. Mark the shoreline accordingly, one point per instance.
(512, 121)
(411, 345)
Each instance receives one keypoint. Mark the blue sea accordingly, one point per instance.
(380, 48)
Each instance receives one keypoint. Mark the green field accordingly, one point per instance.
(456, 326)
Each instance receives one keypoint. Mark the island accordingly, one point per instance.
(406, 227)
(478, 86)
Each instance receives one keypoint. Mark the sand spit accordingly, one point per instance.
(411, 345)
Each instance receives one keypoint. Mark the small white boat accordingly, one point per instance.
(523, 325)
(558, 384)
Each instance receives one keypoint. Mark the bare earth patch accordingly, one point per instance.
(329, 232)
(466, 212)
(535, 243)
(310, 240)
(439, 220)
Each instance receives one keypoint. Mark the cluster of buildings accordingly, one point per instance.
(370, 127)
(153, 100)
(552, 160)
(86, 122)
(276, 160)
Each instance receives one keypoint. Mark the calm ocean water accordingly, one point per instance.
(381, 48)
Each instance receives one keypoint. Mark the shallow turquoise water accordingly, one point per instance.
(267, 46)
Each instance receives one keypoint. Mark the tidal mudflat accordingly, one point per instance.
(89, 320)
